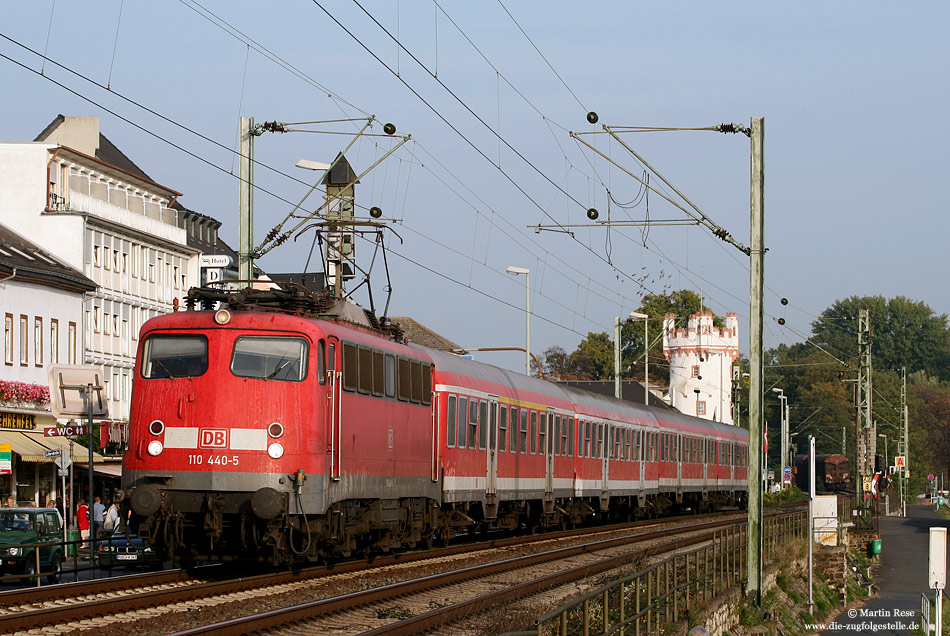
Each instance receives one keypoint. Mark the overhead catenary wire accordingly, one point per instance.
(455, 129)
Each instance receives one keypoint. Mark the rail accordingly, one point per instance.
(659, 595)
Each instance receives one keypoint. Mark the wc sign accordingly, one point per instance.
(213, 438)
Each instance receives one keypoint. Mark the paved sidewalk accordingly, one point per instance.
(901, 577)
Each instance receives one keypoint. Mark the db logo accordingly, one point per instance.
(213, 438)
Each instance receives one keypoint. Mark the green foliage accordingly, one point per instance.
(783, 497)
(593, 359)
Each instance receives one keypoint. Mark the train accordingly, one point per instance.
(831, 472)
(285, 426)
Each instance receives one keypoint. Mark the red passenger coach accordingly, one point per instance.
(288, 426)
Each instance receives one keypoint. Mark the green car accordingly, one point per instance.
(20, 530)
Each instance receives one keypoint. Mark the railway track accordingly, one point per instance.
(421, 604)
(141, 596)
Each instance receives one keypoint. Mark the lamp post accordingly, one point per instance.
(646, 354)
(527, 313)
(783, 440)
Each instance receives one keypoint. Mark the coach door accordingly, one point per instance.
(491, 481)
(549, 460)
(606, 431)
(334, 406)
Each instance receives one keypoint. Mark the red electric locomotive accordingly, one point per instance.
(287, 426)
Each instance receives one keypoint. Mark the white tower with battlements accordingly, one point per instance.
(701, 358)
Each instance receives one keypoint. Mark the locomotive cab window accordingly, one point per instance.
(174, 356)
(270, 358)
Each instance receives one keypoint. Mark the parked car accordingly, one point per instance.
(20, 530)
(129, 550)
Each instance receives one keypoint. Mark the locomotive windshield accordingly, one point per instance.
(175, 356)
(270, 358)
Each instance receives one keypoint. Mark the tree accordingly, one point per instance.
(904, 333)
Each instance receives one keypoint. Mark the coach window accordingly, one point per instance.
(482, 423)
(472, 423)
(515, 429)
(403, 381)
(350, 367)
(556, 437)
(570, 436)
(502, 428)
(366, 370)
(450, 423)
(390, 371)
(379, 374)
(524, 431)
(599, 450)
(542, 431)
(534, 432)
(588, 438)
(174, 356)
(463, 416)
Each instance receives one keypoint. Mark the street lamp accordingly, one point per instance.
(646, 354)
(887, 461)
(783, 443)
(527, 313)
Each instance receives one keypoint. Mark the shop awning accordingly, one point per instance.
(113, 470)
(32, 446)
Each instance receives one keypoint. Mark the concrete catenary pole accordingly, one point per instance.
(756, 285)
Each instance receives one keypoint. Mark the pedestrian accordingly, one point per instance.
(10, 502)
(699, 630)
(98, 514)
(82, 521)
(111, 521)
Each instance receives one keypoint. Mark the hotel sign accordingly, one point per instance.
(18, 421)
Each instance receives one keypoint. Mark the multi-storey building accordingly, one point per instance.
(73, 192)
(42, 310)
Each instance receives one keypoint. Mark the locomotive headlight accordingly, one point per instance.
(275, 429)
(157, 427)
(155, 448)
(275, 450)
(222, 316)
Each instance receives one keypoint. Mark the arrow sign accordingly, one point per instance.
(64, 431)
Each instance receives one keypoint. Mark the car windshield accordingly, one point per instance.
(21, 521)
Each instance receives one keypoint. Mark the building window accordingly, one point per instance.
(38, 341)
(151, 273)
(115, 260)
(96, 315)
(97, 256)
(8, 339)
(115, 325)
(695, 371)
(71, 344)
(24, 342)
(700, 408)
(175, 278)
(125, 262)
(53, 341)
(115, 386)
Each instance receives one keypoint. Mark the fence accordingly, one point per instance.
(644, 602)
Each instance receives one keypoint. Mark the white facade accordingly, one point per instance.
(114, 226)
(701, 358)
(41, 326)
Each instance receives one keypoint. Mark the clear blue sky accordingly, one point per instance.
(854, 95)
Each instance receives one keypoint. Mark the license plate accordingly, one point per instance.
(126, 557)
